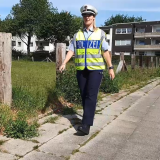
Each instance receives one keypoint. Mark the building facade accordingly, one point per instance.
(35, 45)
(140, 38)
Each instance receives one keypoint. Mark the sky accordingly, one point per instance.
(148, 9)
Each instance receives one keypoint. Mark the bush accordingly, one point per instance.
(19, 128)
(107, 85)
(67, 85)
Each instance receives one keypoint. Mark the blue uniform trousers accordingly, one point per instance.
(89, 83)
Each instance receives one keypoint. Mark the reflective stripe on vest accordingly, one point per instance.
(88, 52)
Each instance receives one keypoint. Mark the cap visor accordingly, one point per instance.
(88, 12)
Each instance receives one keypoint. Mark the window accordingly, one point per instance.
(157, 42)
(122, 42)
(157, 53)
(125, 53)
(117, 42)
(118, 30)
(19, 44)
(141, 42)
(13, 43)
(129, 30)
(157, 29)
(123, 30)
(141, 30)
(31, 44)
(128, 42)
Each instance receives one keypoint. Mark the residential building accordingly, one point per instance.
(140, 38)
(36, 45)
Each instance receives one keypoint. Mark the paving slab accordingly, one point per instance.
(140, 150)
(65, 143)
(149, 124)
(48, 131)
(118, 130)
(95, 148)
(44, 119)
(144, 139)
(129, 118)
(122, 123)
(134, 113)
(40, 156)
(6, 156)
(123, 156)
(155, 132)
(110, 111)
(102, 120)
(18, 147)
(150, 86)
(80, 156)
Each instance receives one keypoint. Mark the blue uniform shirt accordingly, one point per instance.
(87, 34)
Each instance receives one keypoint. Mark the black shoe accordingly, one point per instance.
(84, 129)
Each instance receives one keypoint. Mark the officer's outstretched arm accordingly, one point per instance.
(68, 57)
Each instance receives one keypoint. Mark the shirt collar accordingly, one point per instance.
(91, 29)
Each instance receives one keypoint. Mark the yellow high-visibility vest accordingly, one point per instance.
(88, 52)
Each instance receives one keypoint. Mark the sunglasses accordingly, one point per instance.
(87, 14)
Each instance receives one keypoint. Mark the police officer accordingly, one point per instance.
(91, 49)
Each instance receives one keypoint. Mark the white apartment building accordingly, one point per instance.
(36, 45)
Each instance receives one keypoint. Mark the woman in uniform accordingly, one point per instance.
(91, 49)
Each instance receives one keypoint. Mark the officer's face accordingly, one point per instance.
(88, 19)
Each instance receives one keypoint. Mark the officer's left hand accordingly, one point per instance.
(111, 73)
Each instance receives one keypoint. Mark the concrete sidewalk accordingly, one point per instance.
(125, 128)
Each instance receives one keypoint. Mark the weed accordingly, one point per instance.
(35, 147)
(93, 136)
(51, 119)
(20, 128)
(60, 132)
(75, 151)
(2, 142)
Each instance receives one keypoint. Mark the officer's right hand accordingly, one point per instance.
(62, 67)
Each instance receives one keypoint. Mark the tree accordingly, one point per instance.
(121, 18)
(61, 25)
(26, 17)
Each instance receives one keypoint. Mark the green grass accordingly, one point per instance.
(138, 77)
(33, 83)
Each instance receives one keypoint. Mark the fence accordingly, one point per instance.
(137, 61)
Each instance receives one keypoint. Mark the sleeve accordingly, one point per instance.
(105, 46)
(71, 46)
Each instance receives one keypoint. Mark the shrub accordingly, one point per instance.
(108, 85)
(19, 128)
(67, 86)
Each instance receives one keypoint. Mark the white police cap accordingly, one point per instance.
(88, 9)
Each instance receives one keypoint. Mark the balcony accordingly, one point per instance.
(146, 47)
(146, 35)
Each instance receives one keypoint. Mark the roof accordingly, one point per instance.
(110, 26)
